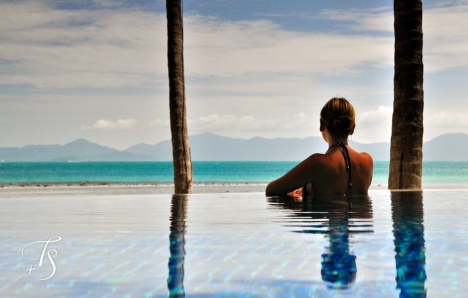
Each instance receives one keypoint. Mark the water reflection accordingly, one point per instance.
(408, 233)
(175, 281)
(338, 218)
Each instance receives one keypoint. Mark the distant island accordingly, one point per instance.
(211, 147)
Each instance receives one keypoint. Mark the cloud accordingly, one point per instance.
(160, 123)
(381, 115)
(446, 119)
(225, 48)
(374, 125)
(380, 19)
(245, 126)
(104, 48)
(111, 125)
(445, 43)
(218, 123)
(110, 48)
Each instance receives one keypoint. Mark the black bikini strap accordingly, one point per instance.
(345, 151)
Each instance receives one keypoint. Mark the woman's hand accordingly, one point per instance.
(295, 193)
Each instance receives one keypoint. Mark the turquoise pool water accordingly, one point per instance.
(235, 245)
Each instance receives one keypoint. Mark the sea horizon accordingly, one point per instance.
(434, 172)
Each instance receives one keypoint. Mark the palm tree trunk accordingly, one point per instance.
(180, 143)
(407, 123)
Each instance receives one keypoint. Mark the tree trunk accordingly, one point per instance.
(407, 123)
(180, 143)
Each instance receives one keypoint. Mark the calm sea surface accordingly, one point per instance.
(17, 172)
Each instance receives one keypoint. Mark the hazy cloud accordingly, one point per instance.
(229, 124)
(383, 114)
(445, 40)
(54, 48)
(106, 124)
(160, 123)
(374, 125)
(223, 48)
(380, 19)
(220, 123)
(447, 119)
(112, 48)
(48, 47)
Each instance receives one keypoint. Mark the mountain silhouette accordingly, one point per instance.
(212, 147)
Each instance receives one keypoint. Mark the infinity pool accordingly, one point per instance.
(235, 245)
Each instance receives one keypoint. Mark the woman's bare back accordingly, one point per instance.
(332, 176)
(327, 174)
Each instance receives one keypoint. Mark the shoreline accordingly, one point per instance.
(122, 188)
(135, 188)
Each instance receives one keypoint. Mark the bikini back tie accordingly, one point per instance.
(345, 152)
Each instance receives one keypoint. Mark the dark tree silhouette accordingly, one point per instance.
(407, 123)
(180, 142)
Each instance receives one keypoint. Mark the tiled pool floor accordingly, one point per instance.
(235, 245)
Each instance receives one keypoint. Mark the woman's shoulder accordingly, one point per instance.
(317, 158)
(364, 159)
(363, 155)
(320, 159)
(314, 162)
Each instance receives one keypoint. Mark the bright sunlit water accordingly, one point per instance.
(236, 245)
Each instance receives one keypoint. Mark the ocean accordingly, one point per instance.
(434, 172)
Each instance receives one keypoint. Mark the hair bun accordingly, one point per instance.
(342, 124)
(338, 116)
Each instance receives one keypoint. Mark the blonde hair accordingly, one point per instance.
(338, 116)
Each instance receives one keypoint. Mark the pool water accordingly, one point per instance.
(235, 245)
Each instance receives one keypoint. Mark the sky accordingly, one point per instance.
(97, 69)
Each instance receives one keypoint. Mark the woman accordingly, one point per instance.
(340, 171)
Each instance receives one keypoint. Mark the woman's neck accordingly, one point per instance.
(333, 141)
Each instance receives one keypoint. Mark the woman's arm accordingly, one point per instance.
(297, 177)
